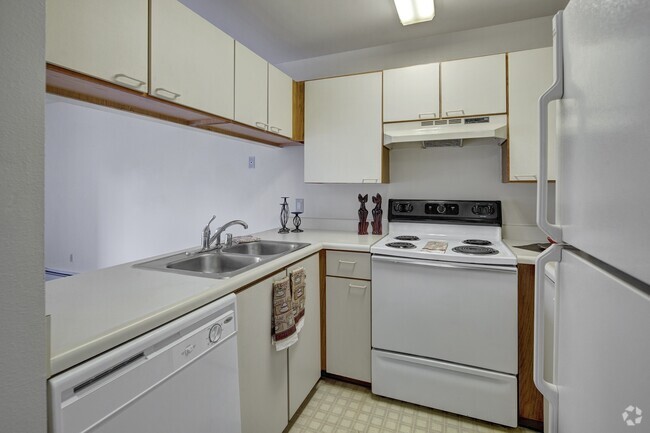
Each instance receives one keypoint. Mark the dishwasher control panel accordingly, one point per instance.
(203, 339)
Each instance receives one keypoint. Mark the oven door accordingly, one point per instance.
(456, 312)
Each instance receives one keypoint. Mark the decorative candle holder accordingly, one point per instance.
(284, 216)
(296, 222)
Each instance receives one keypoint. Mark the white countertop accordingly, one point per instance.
(96, 311)
(524, 257)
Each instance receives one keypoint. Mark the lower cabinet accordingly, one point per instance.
(273, 384)
(348, 328)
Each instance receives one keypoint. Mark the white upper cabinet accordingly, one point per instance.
(192, 61)
(104, 39)
(251, 88)
(530, 74)
(343, 129)
(280, 102)
(412, 93)
(473, 86)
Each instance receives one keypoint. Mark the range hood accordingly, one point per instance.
(447, 132)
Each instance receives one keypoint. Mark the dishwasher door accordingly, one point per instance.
(181, 377)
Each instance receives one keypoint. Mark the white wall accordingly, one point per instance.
(23, 335)
(120, 187)
(520, 35)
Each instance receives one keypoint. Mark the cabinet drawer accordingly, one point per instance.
(349, 265)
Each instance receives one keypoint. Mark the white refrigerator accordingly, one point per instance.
(601, 372)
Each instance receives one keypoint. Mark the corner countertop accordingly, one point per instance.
(93, 312)
(524, 257)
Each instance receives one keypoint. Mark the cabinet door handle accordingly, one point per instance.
(369, 180)
(533, 177)
(421, 115)
(461, 112)
(136, 84)
(275, 129)
(262, 125)
(355, 286)
(167, 94)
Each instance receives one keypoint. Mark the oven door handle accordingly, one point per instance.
(437, 264)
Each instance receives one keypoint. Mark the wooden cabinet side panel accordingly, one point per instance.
(263, 371)
(304, 356)
(100, 38)
(531, 402)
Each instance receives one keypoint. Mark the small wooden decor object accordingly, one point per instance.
(377, 213)
(363, 215)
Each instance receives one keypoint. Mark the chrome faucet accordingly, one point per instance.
(208, 240)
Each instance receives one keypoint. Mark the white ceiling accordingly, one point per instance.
(288, 30)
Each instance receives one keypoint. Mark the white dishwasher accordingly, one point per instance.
(181, 377)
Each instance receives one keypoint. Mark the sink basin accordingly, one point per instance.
(264, 248)
(224, 263)
(214, 263)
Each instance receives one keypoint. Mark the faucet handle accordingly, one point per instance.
(206, 229)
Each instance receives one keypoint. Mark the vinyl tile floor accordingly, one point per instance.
(339, 407)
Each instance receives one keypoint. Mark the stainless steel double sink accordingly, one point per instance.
(224, 262)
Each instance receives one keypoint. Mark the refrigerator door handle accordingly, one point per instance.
(555, 92)
(548, 390)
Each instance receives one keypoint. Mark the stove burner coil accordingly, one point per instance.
(477, 242)
(407, 238)
(403, 245)
(475, 250)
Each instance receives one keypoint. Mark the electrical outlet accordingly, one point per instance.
(251, 162)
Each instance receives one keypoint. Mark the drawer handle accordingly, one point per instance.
(161, 92)
(461, 112)
(421, 115)
(262, 125)
(118, 78)
(345, 262)
(355, 286)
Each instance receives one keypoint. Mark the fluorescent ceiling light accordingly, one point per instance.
(415, 11)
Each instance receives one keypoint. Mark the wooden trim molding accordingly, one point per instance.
(531, 401)
(323, 309)
(299, 111)
(70, 84)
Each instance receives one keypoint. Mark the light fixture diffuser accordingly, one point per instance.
(415, 11)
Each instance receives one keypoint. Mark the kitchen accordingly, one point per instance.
(125, 213)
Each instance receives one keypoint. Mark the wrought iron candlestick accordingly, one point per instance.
(284, 216)
(296, 222)
(376, 214)
(363, 215)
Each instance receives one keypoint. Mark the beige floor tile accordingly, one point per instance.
(338, 407)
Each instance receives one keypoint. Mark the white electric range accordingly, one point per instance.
(444, 309)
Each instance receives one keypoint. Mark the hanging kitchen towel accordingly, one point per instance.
(283, 325)
(298, 286)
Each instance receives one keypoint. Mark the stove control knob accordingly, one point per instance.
(480, 209)
(215, 333)
(403, 207)
(441, 208)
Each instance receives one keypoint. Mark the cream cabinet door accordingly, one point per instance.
(412, 93)
(192, 61)
(251, 88)
(343, 129)
(280, 102)
(348, 328)
(473, 86)
(104, 39)
(263, 375)
(304, 356)
(530, 74)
